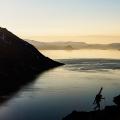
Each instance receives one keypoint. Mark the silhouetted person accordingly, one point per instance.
(98, 99)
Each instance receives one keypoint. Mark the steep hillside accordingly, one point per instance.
(19, 60)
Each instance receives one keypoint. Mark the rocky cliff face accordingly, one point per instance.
(19, 60)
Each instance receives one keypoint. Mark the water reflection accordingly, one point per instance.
(57, 92)
(52, 96)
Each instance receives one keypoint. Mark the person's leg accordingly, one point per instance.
(98, 104)
(95, 108)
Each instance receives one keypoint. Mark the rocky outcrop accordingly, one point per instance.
(108, 113)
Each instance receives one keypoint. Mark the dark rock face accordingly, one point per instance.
(108, 113)
(19, 61)
(116, 100)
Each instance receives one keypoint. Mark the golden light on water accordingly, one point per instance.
(62, 54)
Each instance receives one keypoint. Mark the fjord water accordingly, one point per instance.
(57, 92)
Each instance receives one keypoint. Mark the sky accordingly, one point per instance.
(35, 18)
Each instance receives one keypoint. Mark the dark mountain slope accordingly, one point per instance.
(20, 61)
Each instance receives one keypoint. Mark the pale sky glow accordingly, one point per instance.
(30, 18)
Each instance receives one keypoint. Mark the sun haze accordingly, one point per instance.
(51, 19)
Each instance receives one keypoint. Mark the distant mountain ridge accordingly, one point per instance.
(72, 45)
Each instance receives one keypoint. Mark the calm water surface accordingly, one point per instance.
(57, 92)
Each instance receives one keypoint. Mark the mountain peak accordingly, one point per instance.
(7, 35)
(1, 28)
(2, 33)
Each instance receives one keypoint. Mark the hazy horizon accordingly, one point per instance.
(35, 18)
(93, 39)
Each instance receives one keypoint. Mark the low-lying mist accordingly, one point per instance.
(73, 45)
